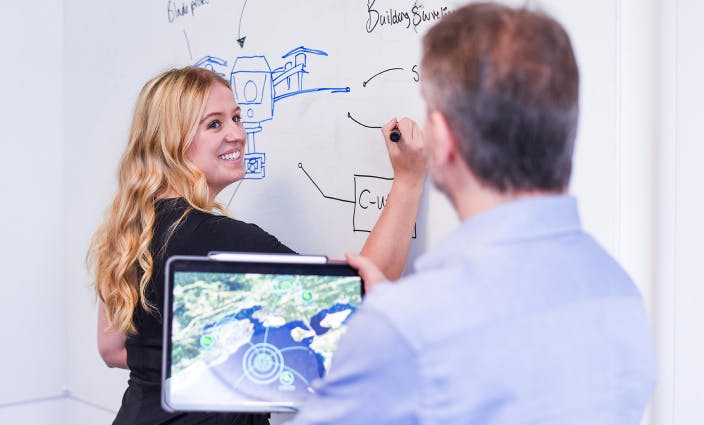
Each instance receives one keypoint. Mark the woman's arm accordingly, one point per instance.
(390, 240)
(111, 343)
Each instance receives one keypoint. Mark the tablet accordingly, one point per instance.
(251, 332)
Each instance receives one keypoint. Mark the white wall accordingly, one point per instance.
(92, 155)
(680, 280)
(32, 308)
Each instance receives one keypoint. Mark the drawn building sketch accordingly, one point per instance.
(257, 88)
(212, 63)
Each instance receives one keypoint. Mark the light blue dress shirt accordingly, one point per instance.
(518, 317)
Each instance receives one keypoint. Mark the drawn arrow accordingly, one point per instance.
(240, 38)
(363, 125)
(364, 84)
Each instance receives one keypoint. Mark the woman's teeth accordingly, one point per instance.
(230, 156)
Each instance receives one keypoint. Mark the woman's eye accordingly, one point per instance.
(214, 124)
(236, 119)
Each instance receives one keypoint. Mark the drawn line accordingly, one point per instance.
(363, 125)
(374, 177)
(188, 45)
(303, 49)
(240, 40)
(364, 84)
(330, 89)
(300, 165)
(233, 194)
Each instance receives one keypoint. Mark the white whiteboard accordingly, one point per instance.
(318, 173)
(315, 80)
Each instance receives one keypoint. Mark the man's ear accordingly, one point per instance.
(444, 146)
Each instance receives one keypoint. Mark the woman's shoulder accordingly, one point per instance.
(199, 232)
(223, 223)
(228, 233)
(213, 221)
(173, 209)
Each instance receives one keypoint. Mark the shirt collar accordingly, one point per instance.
(524, 218)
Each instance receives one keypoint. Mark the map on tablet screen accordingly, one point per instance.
(253, 337)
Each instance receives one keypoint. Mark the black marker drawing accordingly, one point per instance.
(349, 115)
(414, 75)
(364, 83)
(370, 195)
(240, 38)
(190, 55)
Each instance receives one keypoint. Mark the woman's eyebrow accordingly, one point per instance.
(205, 118)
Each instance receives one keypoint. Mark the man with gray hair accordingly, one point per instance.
(519, 316)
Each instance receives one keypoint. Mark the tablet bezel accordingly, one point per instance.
(231, 262)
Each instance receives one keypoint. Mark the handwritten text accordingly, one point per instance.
(176, 9)
(409, 19)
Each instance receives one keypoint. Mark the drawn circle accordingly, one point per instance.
(263, 363)
(250, 91)
(250, 112)
(307, 296)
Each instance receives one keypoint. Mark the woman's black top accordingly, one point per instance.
(197, 234)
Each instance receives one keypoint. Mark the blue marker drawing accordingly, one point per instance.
(257, 88)
(211, 63)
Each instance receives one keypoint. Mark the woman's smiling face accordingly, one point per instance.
(218, 146)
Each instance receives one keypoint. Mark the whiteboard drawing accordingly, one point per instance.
(415, 75)
(370, 195)
(257, 88)
(241, 38)
(212, 63)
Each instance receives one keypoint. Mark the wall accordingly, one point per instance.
(32, 311)
(680, 292)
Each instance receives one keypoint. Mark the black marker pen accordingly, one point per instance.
(395, 134)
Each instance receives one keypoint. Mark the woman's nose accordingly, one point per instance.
(235, 133)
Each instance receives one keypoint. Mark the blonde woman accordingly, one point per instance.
(186, 144)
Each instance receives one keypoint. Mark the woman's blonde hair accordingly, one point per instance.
(164, 123)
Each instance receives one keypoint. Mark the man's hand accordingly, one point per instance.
(369, 271)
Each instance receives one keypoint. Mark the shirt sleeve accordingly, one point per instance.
(372, 379)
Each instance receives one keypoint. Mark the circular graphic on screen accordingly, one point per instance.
(263, 363)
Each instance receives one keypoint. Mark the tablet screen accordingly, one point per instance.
(244, 336)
